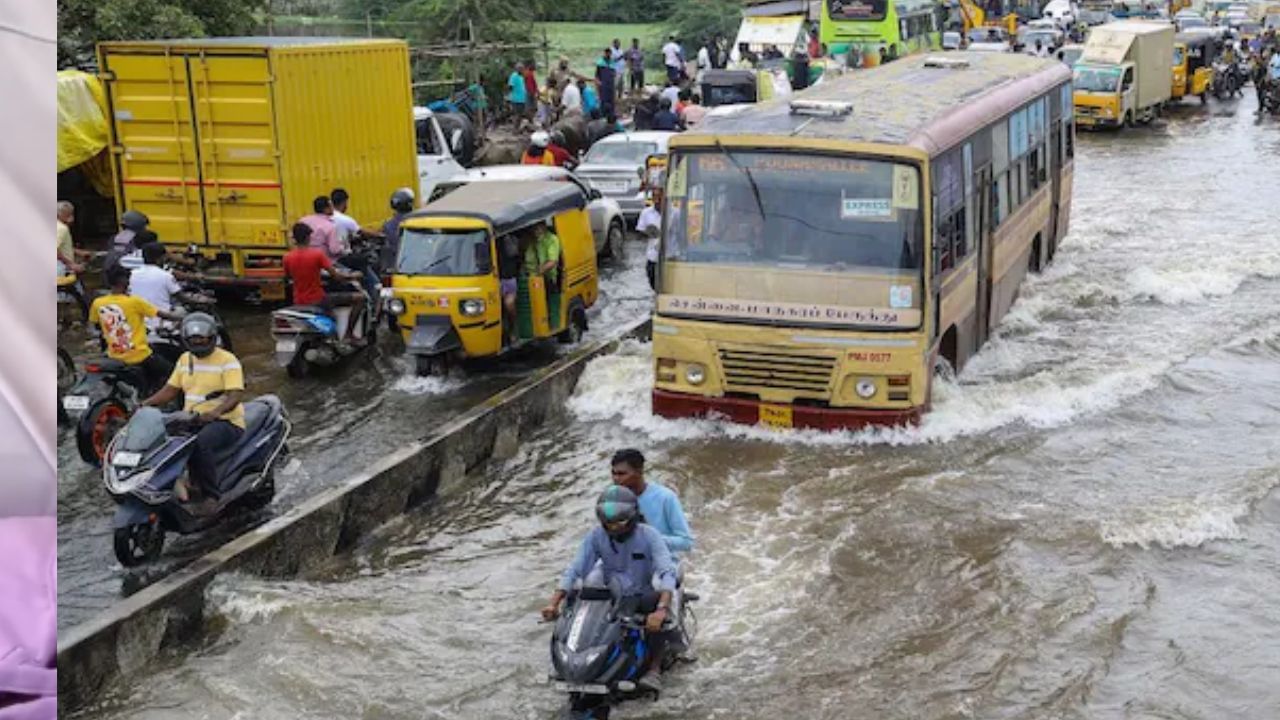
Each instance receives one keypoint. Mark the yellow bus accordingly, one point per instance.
(824, 255)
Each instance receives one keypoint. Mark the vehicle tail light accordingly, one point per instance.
(92, 367)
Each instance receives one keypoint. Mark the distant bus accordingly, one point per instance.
(864, 26)
(823, 256)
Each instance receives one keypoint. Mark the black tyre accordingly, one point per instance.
(298, 367)
(431, 365)
(66, 379)
(98, 426)
(261, 496)
(615, 241)
(139, 543)
(577, 327)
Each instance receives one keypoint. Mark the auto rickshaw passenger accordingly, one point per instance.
(509, 253)
(542, 256)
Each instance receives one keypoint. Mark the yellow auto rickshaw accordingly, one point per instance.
(454, 254)
(1192, 65)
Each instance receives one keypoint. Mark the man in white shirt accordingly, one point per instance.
(571, 98)
(671, 57)
(672, 93)
(346, 225)
(649, 225)
(153, 283)
(704, 61)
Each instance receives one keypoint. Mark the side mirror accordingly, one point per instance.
(484, 261)
(594, 194)
(455, 141)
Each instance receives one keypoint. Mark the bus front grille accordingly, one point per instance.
(747, 369)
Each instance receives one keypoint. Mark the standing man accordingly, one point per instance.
(516, 93)
(635, 63)
(66, 248)
(324, 233)
(605, 76)
(704, 61)
(649, 225)
(619, 67)
(530, 89)
(671, 58)
(571, 98)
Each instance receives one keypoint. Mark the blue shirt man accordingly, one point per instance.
(658, 504)
(515, 86)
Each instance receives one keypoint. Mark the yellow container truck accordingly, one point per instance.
(225, 142)
(1125, 74)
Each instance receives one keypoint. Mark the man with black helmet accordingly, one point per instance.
(212, 383)
(125, 242)
(635, 555)
(401, 205)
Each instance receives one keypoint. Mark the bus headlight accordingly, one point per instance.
(866, 388)
(695, 374)
(395, 306)
(471, 307)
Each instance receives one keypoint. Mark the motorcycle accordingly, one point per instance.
(67, 377)
(148, 457)
(72, 305)
(100, 403)
(1226, 81)
(598, 652)
(310, 335)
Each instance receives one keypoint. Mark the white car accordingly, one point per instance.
(607, 222)
(989, 39)
(615, 166)
(435, 152)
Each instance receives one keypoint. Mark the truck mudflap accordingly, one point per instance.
(433, 335)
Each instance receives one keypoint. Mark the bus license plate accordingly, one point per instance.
(75, 402)
(587, 689)
(778, 416)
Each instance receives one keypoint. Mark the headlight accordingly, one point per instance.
(471, 307)
(695, 374)
(866, 388)
(395, 306)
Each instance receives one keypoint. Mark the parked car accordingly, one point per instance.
(989, 39)
(608, 225)
(616, 164)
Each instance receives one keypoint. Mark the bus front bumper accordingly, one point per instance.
(751, 412)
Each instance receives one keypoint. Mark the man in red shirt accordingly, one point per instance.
(304, 263)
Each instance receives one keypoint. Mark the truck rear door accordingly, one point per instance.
(155, 148)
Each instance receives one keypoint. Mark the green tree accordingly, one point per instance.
(696, 21)
(82, 24)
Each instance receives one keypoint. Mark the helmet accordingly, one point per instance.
(134, 220)
(540, 139)
(402, 200)
(618, 511)
(200, 333)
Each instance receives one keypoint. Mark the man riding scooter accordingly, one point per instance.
(634, 555)
(304, 263)
(212, 383)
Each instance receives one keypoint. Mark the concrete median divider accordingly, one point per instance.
(162, 617)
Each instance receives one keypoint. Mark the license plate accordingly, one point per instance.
(75, 402)
(587, 689)
(126, 459)
(611, 187)
(778, 416)
(286, 346)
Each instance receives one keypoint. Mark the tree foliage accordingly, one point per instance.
(697, 21)
(84, 23)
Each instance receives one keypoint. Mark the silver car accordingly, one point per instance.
(615, 166)
(607, 222)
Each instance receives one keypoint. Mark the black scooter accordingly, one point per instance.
(148, 457)
(599, 652)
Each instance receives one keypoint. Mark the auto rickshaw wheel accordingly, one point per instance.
(431, 365)
(572, 334)
(1204, 98)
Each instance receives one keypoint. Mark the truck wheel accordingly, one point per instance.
(139, 543)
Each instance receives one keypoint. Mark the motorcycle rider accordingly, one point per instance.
(659, 505)
(121, 319)
(125, 242)
(401, 204)
(303, 265)
(348, 230)
(212, 383)
(152, 282)
(635, 555)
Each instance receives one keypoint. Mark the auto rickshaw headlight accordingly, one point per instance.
(395, 306)
(695, 374)
(471, 307)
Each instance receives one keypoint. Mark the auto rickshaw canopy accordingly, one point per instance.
(506, 205)
(1201, 48)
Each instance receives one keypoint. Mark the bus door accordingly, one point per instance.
(981, 199)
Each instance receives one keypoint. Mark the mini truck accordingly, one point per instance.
(1125, 74)
(224, 142)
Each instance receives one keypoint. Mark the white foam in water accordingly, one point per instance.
(431, 385)
(1190, 522)
(232, 596)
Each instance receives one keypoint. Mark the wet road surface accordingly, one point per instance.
(1085, 527)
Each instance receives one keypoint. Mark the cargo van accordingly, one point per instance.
(224, 142)
(1125, 74)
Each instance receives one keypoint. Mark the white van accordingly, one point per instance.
(1063, 12)
(435, 152)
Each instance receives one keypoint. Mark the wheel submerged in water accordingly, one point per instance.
(431, 365)
(136, 544)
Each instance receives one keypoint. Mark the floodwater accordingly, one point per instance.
(344, 419)
(1085, 527)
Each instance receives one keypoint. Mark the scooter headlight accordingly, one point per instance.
(471, 307)
(395, 306)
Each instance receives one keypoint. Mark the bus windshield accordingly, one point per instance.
(1097, 79)
(815, 212)
(442, 253)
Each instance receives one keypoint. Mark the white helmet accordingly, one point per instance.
(540, 139)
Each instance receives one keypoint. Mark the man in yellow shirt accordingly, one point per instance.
(121, 318)
(212, 383)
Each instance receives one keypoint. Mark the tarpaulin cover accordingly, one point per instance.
(82, 127)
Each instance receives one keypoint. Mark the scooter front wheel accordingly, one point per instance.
(139, 543)
(298, 367)
(97, 428)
